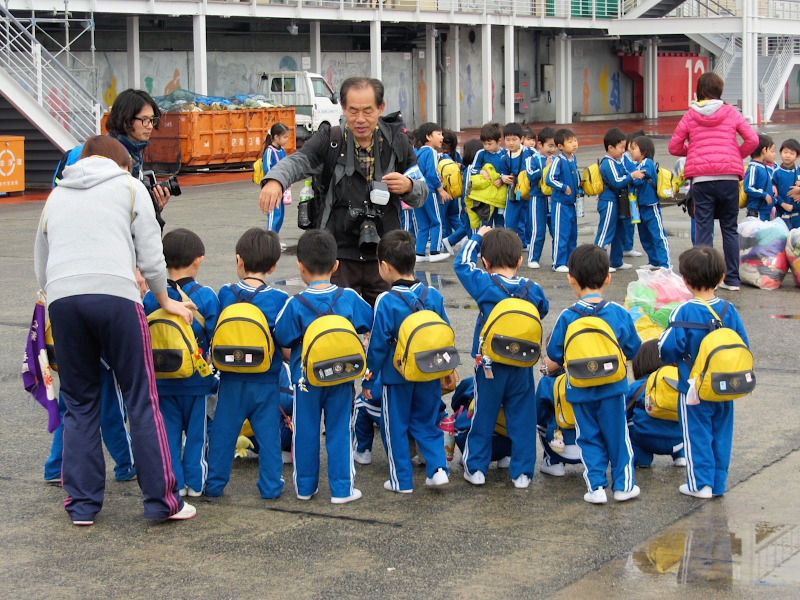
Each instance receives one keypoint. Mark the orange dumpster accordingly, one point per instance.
(12, 163)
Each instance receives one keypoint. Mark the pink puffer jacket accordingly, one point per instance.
(706, 136)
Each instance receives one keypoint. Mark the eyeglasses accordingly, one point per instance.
(147, 121)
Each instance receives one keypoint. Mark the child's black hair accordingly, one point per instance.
(513, 129)
(588, 265)
(703, 267)
(181, 248)
(791, 144)
(613, 137)
(397, 248)
(546, 133)
(646, 360)
(629, 137)
(316, 251)
(501, 248)
(471, 148)
(646, 146)
(764, 142)
(275, 131)
(449, 137)
(259, 249)
(563, 135)
(426, 129)
(491, 131)
(527, 132)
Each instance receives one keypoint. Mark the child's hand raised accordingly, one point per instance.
(483, 230)
(507, 179)
(638, 174)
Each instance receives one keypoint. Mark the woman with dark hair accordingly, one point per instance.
(97, 227)
(706, 136)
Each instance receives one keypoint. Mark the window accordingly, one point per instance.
(321, 88)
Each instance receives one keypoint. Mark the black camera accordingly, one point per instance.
(170, 185)
(364, 222)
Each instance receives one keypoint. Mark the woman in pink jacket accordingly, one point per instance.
(706, 136)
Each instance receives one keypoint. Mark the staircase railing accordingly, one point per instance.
(46, 80)
(771, 85)
(725, 60)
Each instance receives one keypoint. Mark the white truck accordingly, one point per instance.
(314, 101)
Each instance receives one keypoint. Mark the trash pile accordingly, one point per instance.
(186, 101)
(651, 299)
(793, 254)
(763, 261)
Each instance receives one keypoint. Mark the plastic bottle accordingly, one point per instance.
(306, 194)
(448, 426)
(579, 208)
(635, 215)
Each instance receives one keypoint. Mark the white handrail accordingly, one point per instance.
(46, 80)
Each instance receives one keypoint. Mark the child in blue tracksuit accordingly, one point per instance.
(553, 462)
(616, 179)
(649, 435)
(367, 415)
(538, 158)
(600, 425)
(316, 261)
(183, 401)
(274, 151)
(651, 229)
(428, 217)
(564, 179)
(496, 156)
(471, 148)
(406, 406)
(504, 385)
(462, 404)
(707, 426)
(451, 212)
(630, 228)
(517, 208)
(758, 180)
(252, 396)
(784, 177)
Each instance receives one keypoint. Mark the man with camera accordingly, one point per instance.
(362, 170)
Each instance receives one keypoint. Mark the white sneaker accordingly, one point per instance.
(533, 265)
(283, 246)
(477, 478)
(633, 253)
(363, 458)
(504, 462)
(730, 288)
(300, 497)
(649, 267)
(193, 493)
(612, 270)
(522, 482)
(596, 497)
(562, 269)
(418, 460)
(624, 266)
(439, 478)
(704, 492)
(422, 258)
(182, 492)
(439, 256)
(556, 470)
(621, 496)
(187, 512)
(448, 246)
(286, 457)
(354, 496)
(83, 523)
(387, 485)
(679, 462)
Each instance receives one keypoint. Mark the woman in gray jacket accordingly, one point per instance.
(96, 228)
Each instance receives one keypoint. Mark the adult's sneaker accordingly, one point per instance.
(187, 512)
(83, 523)
(729, 287)
(439, 478)
(624, 266)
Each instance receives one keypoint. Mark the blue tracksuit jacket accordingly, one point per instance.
(784, 179)
(757, 186)
(563, 173)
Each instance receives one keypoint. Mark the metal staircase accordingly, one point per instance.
(649, 9)
(43, 90)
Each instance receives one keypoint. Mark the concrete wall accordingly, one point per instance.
(598, 85)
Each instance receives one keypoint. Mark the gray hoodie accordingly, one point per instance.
(707, 108)
(97, 226)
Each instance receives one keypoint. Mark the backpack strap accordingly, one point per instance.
(587, 313)
(185, 298)
(304, 301)
(522, 292)
(716, 323)
(636, 396)
(419, 301)
(237, 291)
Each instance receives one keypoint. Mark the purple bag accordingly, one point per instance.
(36, 375)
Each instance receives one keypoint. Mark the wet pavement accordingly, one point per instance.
(459, 542)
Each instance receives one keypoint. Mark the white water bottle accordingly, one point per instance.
(579, 206)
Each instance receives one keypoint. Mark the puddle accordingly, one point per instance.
(760, 553)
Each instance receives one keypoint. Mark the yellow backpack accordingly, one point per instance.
(258, 171)
(663, 183)
(512, 333)
(546, 189)
(565, 416)
(742, 195)
(242, 341)
(450, 173)
(176, 354)
(723, 369)
(661, 394)
(332, 351)
(523, 184)
(592, 355)
(425, 347)
(50, 346)
(592, 180)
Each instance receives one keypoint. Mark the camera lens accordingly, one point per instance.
(368, 237)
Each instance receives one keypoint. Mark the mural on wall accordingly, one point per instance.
(470, 95)
(287, 63)
(423, 96)
(174, 84)
(602, 86)
(614, 98)
(111, 92)
(148, 84)
(59, 105)
(586, 91)
(403, 96)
